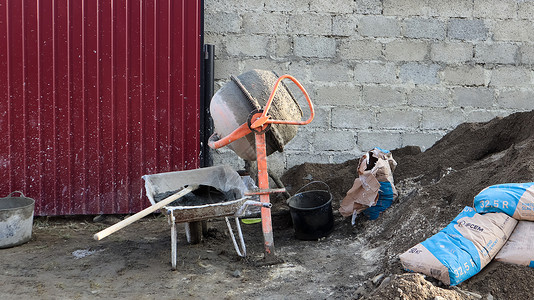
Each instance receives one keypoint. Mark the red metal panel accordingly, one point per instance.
(93, 95)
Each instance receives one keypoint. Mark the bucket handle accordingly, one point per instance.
(312, 182)
(10, 194)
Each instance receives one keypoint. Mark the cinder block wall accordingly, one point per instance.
(387, 73)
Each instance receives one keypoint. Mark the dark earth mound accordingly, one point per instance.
(434, 186)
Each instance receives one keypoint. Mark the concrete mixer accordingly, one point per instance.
(258, 102)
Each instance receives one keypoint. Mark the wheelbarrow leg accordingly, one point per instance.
(239, 246)
(174, 241)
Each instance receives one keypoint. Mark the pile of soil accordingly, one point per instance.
(434, 186)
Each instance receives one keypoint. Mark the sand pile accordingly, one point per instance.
(434, 186)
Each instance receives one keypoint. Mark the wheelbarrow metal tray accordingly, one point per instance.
(222, 178)
(208, 211)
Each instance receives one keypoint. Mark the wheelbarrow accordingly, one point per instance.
(193, 196)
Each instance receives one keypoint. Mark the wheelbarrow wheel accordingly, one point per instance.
(195, 231)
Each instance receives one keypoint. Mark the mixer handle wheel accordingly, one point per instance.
(252, 117)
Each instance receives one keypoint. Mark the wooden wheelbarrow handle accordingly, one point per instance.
(102, 234)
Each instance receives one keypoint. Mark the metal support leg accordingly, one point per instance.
(243, 251)
(174, 242)
(263, 184)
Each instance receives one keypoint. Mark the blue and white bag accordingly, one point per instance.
(461, 249)
(513, 199)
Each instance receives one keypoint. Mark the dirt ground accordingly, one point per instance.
(62, 261)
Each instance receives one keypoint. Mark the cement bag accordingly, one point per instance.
(519, 249)
(373, 190)
(461, 249)
(513, 199)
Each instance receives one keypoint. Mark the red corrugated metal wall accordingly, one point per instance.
(93, 95)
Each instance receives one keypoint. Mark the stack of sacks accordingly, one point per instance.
(478, 235)
(517, 201)
(461, 249)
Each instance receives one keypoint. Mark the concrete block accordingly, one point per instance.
(368, 49)
(406, 50)
(247, 45)
(445, 119)
(294, 158)
(269, 23)
(285, 6)
(301, 70)
(527, 54)
(234, 5)
(309, 46)
(322, 118)
(222, 22)
(494, 9)
(344, 25)
(355, 118)
(419, 73)
(451, 8)
(516, 99)
(425, 28)
(300, 142)
(331, 72)
(218, 41)
(263, 64)
(424, 140)
(479, 97)
(383, 96)
(451, 52)
(223, 68)
(368, 7)
(331, 6)
(480, 115)
(513, 30)
(468, 30)
(283, 46)
(375, 72)
(405, 7)
(525, 10)
(398, 118)
(379, 26)
(388, 140)
(311, 23)
(241, 5)
(511, 76)
(334, 140)
(429, 97)
(346, 94)
(466, 75)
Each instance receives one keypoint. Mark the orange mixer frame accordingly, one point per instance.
(259, 122)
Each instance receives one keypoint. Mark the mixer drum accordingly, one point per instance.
(232, 104)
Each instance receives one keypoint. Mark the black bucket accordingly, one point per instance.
(311, 212)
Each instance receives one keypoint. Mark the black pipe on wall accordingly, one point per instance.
(206, 126)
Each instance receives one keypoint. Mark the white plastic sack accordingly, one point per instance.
(519, 249)
(461, 249)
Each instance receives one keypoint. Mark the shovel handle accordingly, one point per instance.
(118, 226)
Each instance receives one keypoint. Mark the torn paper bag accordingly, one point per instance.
(373, 190)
